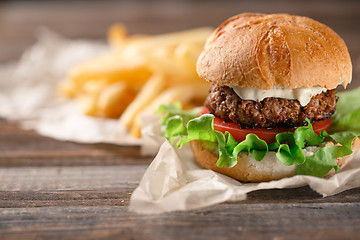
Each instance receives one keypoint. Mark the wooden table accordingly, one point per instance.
(53, 189)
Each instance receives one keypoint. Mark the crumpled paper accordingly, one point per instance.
(29, 97)
(174, 181)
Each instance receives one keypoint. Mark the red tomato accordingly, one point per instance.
(266, 134)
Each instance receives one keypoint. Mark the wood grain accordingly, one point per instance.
(256, 221)
(26, 148)
(118, 192)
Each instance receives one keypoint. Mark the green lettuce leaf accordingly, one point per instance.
(253, 145)
(305, 136)
(174, 120)
(226, 143)
(322, 161)
(201, 128)
(345, 138)
(347, 115)
(288, 152)
(174, 109)
(174, 128)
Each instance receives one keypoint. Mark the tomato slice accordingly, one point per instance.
(266, 134)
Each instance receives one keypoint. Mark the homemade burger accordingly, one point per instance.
(268, 113)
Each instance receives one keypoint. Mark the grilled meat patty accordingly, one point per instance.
(224, 103)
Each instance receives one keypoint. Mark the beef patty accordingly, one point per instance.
(224, 103)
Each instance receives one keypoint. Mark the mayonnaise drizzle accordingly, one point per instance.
(302, 94)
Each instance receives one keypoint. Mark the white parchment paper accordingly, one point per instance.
(28, 93)
(174, 181)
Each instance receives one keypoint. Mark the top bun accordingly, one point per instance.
(277, 50)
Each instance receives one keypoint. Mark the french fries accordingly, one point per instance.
(184, 94)
(146, 95)
(114, 99)
(138, 74)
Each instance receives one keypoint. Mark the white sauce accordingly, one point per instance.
(302, 94)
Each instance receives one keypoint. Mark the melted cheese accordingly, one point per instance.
(302, 94)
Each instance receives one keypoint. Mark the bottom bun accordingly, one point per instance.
(248, 169)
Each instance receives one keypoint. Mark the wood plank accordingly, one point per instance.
(256, 221)
(26, 148)
(121, 196)
(68, 186)
(113, 185)
(64, 160)
(102, 178)
(14, 139)
(66, 198)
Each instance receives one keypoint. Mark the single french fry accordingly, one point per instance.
(87, 104)
(118, 37)
(94, 86)
(147, 93)
(135, 130)
(113, 100)
(67, 88)
(117, 34)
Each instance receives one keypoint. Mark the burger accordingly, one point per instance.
(269, 111)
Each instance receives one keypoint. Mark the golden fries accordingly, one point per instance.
(138, 74)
